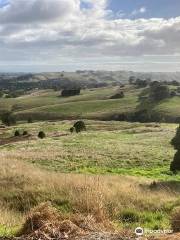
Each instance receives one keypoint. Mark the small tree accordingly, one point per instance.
(72, 129)
(17, 133)
(175, 142)
(79, 126)
(159, 92)
(25, 133)
(41, 135)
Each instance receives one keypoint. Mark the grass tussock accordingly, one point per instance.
(45, 222)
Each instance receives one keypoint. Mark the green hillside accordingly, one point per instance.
(91, 103)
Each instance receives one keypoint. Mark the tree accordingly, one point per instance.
(17, 133)
(72, 129)
(41, 135)
(25, 133)
(79, 126)
(8, 119)
(159, 92)
(70, 92)
(175, 142)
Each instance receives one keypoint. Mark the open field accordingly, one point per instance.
(106, 147)
(117, 172)
(118, 162)
(91, 104)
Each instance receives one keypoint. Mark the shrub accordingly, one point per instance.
(72, 129)
(79, 126)
(25, 133)
(17, 133)
(70, 92)
(175, 220)
(41, 135)
(175, 164)
(175, 142)
(118, 95)
(129, 216)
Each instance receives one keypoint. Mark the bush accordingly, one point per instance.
(17, 133)
(129, 216)
(175, 164)
(79, 126)
(175, 142)
(72, 129)
(41, 135)
(25, 133)
(70, 92)
(175, 220)
(118, 95)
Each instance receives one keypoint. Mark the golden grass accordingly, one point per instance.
(23, 186)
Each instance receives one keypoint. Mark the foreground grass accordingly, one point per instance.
(126, 201)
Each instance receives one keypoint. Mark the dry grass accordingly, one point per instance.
(104, 197)
(175, 220)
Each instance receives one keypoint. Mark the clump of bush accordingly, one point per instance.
(41, 135)
(72, 129)
(118, 95)
(79, 126)
(175, 142)
(129, 216)
(17, 133)
(175, 220)
(25, 133)
(70, 92)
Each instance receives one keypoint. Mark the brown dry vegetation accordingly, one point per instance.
(104, 197)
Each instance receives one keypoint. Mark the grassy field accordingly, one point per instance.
(115, 171)
(106, 147)
(107, 172)
(92, 104)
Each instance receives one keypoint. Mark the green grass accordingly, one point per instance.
(7, 231)
(106, 148)
(92, 104)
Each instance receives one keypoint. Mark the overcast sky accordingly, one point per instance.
(56, 35)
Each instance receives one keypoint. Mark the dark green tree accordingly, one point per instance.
(17, 133)
(79, 126)
(41, 135)
(159, 92)
(175, 142)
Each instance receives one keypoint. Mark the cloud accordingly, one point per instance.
(23, 11)
(139, 11)
(57, 30)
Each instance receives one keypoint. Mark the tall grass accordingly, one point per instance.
(104, 197)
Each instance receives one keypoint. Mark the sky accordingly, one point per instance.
(69, 35)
